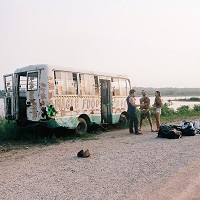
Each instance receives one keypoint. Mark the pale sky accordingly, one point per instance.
(155, 42)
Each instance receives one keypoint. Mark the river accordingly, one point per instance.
(174, 104)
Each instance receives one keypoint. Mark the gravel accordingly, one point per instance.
(121, 166)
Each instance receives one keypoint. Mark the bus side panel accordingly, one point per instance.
(69, 108)
(119, 106)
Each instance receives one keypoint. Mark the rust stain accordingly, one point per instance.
(50, 77)
(50, 101)
(42, 96)
(50, 95)
(31, 95)
(63, 113)
(43, 85)
(51, 86)
(57, 104)
(33, 105)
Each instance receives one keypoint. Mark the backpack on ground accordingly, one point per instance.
(188, 129)
(168, 131)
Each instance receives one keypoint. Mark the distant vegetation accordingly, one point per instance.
(196, 99)
(169, 91)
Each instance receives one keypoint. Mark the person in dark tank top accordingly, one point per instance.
(131, 111)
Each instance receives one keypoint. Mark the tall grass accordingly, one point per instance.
(8, 130)
(182, 113)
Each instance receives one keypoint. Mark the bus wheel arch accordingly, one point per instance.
(123, 120)
(82, 125)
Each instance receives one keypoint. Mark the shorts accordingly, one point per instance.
(158, 110)
(146, 115)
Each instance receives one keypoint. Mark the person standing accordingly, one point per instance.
(144, 110)
(131, 111)
(157, 108)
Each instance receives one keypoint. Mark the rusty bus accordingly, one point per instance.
(55, 96)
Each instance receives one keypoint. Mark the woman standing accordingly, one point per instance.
(157, 108)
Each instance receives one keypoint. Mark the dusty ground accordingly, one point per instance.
(121, 166)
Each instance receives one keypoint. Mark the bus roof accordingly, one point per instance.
(61, 68)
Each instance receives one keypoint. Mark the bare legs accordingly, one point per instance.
(157, 116)
(150, 122)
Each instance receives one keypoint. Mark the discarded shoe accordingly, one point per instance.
(80, 153)
(86, 154)
(83, 154)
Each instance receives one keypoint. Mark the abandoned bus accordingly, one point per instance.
(62, 97)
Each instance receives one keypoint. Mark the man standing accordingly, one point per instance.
(131, 102)
(144, 109)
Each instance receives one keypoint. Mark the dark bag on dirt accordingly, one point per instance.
(167, 131)
(188, 129)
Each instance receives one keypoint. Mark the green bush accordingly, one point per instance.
(167, 111)
(8, 130)
(196, 108)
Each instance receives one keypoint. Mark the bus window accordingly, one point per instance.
(22, 85)
(32, 81)
(58, 83)
(69, 88)
(96, 85)
(128, 87)
(122, 85)
(91, 83)
(8, 83)
(87, 84)
(115, 87)
(66, 83)
(75, 82)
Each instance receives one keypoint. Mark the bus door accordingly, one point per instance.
(106, 104)
(21, 95)
(9, 97)
(32, 96)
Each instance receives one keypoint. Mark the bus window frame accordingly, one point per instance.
(27, 85)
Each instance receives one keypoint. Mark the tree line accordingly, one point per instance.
(169, 91)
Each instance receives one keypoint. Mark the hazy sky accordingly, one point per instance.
(155, 42)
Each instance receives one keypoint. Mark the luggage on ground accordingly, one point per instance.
(168, 131)
(187, 129)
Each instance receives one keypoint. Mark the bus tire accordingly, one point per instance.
(123, 121)
(81, 127)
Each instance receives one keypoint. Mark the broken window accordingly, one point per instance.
(66, 83)
(8, 83)
(115, 87)
(32, 81)
(87, 84)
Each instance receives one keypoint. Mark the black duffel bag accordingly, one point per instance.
(188, 129)
(167, 131)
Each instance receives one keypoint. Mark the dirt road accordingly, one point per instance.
(121, 166)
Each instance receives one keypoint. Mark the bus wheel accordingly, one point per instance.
(122, 121)
(81, 127)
